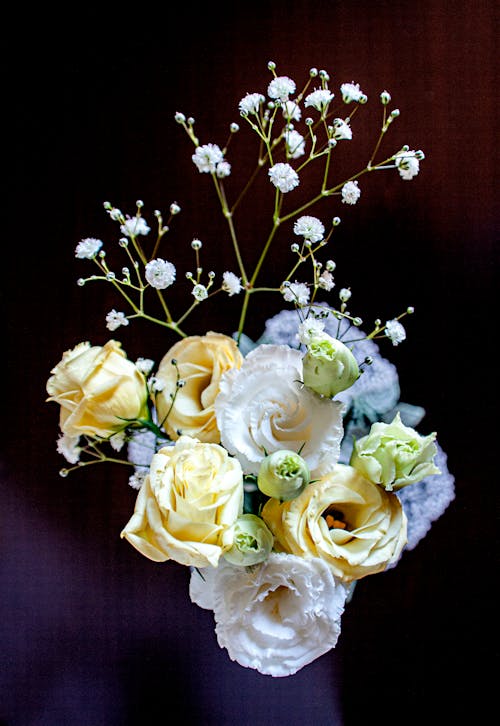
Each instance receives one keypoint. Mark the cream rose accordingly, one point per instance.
(200, 363)
(352, 524)
(263, 407)
(98, 390)
(187, 506)
(275, 617)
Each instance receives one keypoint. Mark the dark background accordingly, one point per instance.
(93, 633)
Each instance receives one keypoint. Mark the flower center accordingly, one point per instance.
(335, 518)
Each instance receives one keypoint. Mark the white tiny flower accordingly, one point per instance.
(296, 292)
(145, 365)
(136, 480)
(223, 169)
(351, 92)
(280, 88)
(134, 226)
(407, 164)
(295, 143)
(207, 157)
(160, 273)
(345, 294)
(156, 384)
(251, 103)
(319, 99)
(310, 329)
(342, 130)
(395, 331)
(68, 447)
(311, 228)
(87, 248)
(291, 111)
(174, 208)
(200, 292)
(115, 319)
(283, 177)
(117, 441)
(351, 192)
(326, 281)
(231, 283)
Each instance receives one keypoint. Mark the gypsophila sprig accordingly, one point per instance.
(277, 467)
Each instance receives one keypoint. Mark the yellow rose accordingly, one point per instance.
(352, 524)
(200, 363)
(97, 388)
(187, 506)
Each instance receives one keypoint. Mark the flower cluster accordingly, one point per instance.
(276, 469)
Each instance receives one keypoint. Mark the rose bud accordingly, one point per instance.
(329, 367)
(283, 475)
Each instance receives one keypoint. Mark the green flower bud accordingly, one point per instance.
(283, 475)
(252, 541)
(394, 455)
(329, 366)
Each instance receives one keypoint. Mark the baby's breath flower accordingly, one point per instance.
(251, 104)
(330, 265)
(156, 384)
(200, 292)
(309, 329)
(231, 283)
(88, 248)
(134, 226)
(351, 192)
(296, 292)
(407, 164)
(145, 365)
(283, 177)
(385, 97)
(395, 331)
(207, 157)
(68, 447)
(115, 319)
(136, 480)
(295, 143)
(342, 130)
(291, 111)
(223, 169)
(311, 228)
(280, 88)
(351, 92)
(319, 99)
(174, 208)
(345, 294)
(325, 281)
(160, 273)
(117, 441)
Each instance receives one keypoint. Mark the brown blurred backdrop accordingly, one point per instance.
(91, 632)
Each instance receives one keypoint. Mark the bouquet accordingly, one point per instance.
(280, 470)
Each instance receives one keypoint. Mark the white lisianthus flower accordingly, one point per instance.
(134, 226)
(251, 103)
(115, 319)
(351, 92)
(319, 99)
(407, 164)
(160, 273)
(291, 111)
(207, 157)
(263, 407)
(310, 228)
(351, 192)
(295, 143)
(276, 617)
(296, 292)
(88, 248)
(280, 88)
(342, 130)
(395, 331)
(283, 177)
(231, 283)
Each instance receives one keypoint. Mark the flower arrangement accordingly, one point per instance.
(280, 471)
